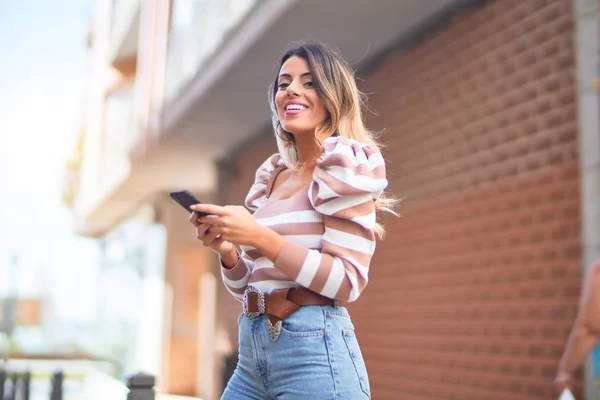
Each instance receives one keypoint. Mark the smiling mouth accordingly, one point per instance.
(295, 107)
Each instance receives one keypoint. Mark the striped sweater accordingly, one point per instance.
(328, 225)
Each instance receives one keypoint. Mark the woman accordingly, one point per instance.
(309, 243)
(585, 332)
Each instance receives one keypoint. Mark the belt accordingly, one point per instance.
(280, 304)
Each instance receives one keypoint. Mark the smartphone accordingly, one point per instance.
(186, 199)
(566, 395)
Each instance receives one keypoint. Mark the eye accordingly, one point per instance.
(283, 85)
(309, 84)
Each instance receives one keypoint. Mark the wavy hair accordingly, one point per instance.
(344, 103)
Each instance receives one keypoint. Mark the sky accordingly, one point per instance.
(43, 72)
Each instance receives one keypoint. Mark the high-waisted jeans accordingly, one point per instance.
(316, 357)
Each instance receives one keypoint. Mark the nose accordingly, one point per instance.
(293, 90)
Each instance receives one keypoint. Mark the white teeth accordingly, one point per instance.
(295, 107)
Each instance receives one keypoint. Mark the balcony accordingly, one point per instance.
(120, 135)
(123, 180)
(216, 90)
(124, 33)
(205, 93)
(198, 29)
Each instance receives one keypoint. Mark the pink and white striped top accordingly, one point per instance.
(328, 225)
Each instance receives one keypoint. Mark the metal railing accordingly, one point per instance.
(120, 137)
(124, 14)
(17, 386)
(198, 30)
(14, 385)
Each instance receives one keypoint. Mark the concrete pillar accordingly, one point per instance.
(586, 50)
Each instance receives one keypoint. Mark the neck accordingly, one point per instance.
(308, 150)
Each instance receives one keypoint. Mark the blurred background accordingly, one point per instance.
(489, 113)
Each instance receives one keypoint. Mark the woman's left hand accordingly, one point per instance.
(233, 223)
(561, 382)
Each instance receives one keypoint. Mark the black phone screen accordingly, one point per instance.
(186, 199)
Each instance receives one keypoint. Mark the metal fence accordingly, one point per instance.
(17, 386)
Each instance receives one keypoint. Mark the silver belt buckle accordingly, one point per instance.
(261, 303)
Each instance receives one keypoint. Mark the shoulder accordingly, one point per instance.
(271, 163)
(351, 167)
(262, 179)
(349, 152)
(347, 179)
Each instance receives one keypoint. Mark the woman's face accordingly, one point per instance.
(299, 107)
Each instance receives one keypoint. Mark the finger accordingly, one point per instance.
(203, 228)
(209, 238)
(194, 218)
(210, 219)
(201, 231)
(213, 220)
(206, 219)
(219, 230)
(212, 209)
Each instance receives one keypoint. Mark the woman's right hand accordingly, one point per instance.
(561, 382)
(226, 249)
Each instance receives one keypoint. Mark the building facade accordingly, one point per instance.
(490, 119)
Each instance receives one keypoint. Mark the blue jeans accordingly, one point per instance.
(316, 357)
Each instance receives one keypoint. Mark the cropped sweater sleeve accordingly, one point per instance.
(236, 278)
(348, 178)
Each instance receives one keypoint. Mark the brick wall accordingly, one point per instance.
(473, 291)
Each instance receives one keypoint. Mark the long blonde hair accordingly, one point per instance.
(336, 86)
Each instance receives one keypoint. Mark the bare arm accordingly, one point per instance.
(585, 332)
(580, 343)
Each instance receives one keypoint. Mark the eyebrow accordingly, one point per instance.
(289, 76)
